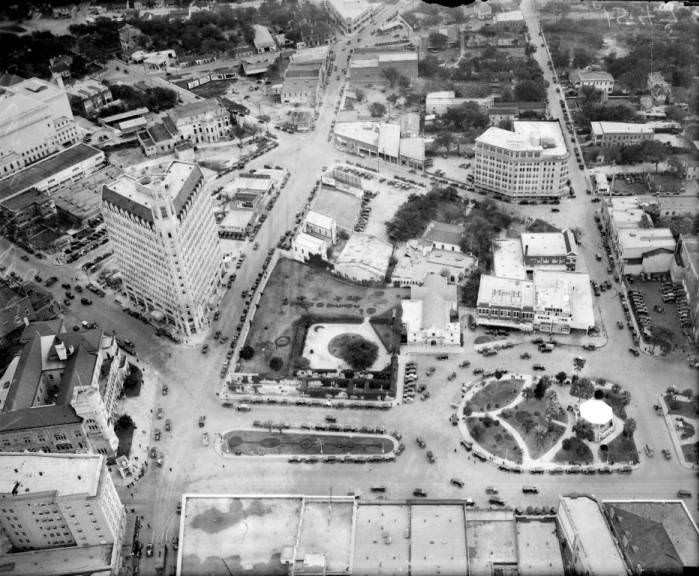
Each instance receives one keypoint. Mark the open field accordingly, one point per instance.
(295, 290)
(323, 341)
(262, 442)
(494, 439)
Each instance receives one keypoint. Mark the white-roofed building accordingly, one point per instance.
(505, 302)
(562, 302)
(530, 162)
(600, 416)
(430, 316)
(368, 66)
(248, 190)
(439, 102)
(645, 250)
(320, 226)
(59, 508)
(350, 15)
(551, 250)
(418, 259)
(364, 258)
(263, 40)
(511, 20)
(306, 245)
(619, 133)
(598, 79)
(443, 236)
(508, 260)
(586, 534)
(35, 121)
(382, 139)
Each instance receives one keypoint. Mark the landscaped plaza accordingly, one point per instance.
(332, 306)
(521, 419)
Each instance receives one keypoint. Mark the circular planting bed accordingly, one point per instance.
(282, 341)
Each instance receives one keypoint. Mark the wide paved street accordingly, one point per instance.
(194, 380)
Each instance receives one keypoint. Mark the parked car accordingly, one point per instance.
(456, 482)
(530, 490)
(168, 425)
(419, 493)
(491, 490)
(420, 442)
(164, 389)
(378, 488)
(202, 421)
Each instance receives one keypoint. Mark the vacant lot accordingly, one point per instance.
(496, 394)
(295, 289)
(263, 442)
(494, 438)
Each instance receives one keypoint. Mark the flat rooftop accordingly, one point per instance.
(382, 543)
(349, 9)
(34, 174)
(222, 534)
(544, 137)
(646, 239)
(566, 291)
(601, 128)
(491, 538)
(506, 292)
(538, 549)
(546, 243)
(67, 474)
(437, 540)
(593, 536)
(66, 561)
(508, 259)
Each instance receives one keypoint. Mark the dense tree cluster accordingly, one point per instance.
(483, 223)
(360, 353)
(155, 99)
(412, 217)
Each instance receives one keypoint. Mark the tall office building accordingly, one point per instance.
(166, 243)
(529, 163)
(59, 514)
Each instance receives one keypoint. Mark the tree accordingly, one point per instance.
(428, 67)
(530, 91)
(437, 41)
(561, 377)
(583, 430)
(391, 75)
(540, 388)
(506, 124)
(392, 98)
(360, 353)
(629, 427)
(403, 82)
(359, 94)
(377, 109)
(581, 58)
(247, 352)
(276, 363)
(566, 444)
(582, 388)
(588, 96)
(469, 290)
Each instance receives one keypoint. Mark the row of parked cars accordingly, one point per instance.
(410, 382)
(365, 212)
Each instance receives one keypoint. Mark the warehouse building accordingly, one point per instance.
(380, 139)
(368, 66)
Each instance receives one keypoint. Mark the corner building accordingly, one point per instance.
(530, 163)
(166, 244)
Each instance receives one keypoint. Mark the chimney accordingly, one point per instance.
(526, 250)
(58, 79)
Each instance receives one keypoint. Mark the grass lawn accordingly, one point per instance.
(525, 418)
(691, 452)
(261, 442)
(496, 394)
(621, 449)
(494, 439)
(577, 453)
(295, 289)
(680, 406)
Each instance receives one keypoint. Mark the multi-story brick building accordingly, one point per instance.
(202, 121)
(530, 162)
(88, 97)
(166, 244)
(59, 393)
(619, 133)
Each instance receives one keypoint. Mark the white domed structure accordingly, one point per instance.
(599, 415)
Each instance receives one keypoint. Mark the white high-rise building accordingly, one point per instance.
(60, 514)
(529, 163)
(166, 243)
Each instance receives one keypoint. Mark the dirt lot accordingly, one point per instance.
(295, 289)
